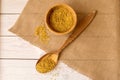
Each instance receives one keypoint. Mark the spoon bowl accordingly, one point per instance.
(53, 59)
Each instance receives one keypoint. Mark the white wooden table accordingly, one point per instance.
(18, 57)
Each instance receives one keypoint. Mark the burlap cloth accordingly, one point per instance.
(95, 52)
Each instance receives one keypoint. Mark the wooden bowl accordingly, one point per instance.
(50, 11)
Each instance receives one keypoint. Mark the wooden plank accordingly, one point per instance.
(7, 21)
(15, 47)
(15, 6)
(25, 70)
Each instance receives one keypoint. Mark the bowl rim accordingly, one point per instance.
(71, 10)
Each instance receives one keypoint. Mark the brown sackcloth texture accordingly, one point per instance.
(95, 52)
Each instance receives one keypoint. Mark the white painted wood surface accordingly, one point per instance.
(18, 57)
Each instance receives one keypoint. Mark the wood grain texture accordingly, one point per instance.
(7, 21)
(15, 47)
(12, 6)
(25, 70)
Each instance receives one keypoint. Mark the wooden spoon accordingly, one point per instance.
(54, 56)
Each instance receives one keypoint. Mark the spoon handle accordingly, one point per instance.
(79, 29)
